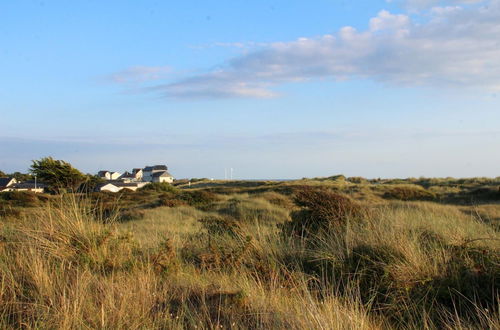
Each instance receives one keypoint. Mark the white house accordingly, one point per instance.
(107, 175)
(135, 179)
(27, 186)
(116, 186)
(135, 176)
(138, 173)
(110, 187)
(163, 176)
(133, 186)
(6, 182)
(148, 171)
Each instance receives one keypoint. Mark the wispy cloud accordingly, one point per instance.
(453, 47)
(139, 74)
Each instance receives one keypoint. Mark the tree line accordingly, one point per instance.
(58, 175)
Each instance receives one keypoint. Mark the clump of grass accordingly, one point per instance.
(277, 199)
(201, 199)
(252, 210)
(322, 210)
(133, 214)
(160, 187)
(225, 226)
(22, 198)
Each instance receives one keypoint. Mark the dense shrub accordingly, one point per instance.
(170, 202)
(357, 180)
(469, 279)
(198, 198)
(160, 187)
(409, 193)
(216, 225)
(217, 304)
(485, 194)
(322, 210)
(277, 199)
(131, 215)
(22, 198)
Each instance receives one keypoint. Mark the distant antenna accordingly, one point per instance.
(231, 173)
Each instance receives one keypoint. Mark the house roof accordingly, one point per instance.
(103, 172)
(126, 184)
(5, 181)
(161, 174)
(155, 168)
(28, 185)
(135, 170)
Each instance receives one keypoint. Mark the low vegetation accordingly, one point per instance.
(339, 253)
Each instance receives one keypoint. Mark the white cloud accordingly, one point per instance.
(449, 47)
(140, 74)
(388, 21)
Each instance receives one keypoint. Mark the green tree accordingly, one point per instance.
(2, 174)
(91, 182)
(58, 174)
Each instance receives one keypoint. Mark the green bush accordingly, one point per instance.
(22, 198)
(409, 193)
(130, 215)
(216, 225)
(199, 198)
(321, 211)
(160, 187)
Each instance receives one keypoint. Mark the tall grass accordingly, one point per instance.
(393, 265)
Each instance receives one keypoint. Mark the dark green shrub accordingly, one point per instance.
(358, 180)
(160, 187)
(407, 193)
(170, 202)
(321, 211)
(199, 198)
(278, 199)
(216, 225)
(22, 198)
(485, 194)
(220, 308)
(130, 215)
(469, 280)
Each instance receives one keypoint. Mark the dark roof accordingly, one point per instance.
(5, 181)
(28, 185)
(155, 168)
(127, 175)
(102, 172)
(158, 174)
(126, 184)
(135, 170)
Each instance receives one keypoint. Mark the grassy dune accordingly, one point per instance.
(276, 255)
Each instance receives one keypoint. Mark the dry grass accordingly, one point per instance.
(400, 265)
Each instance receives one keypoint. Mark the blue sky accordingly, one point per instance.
(274, 89)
